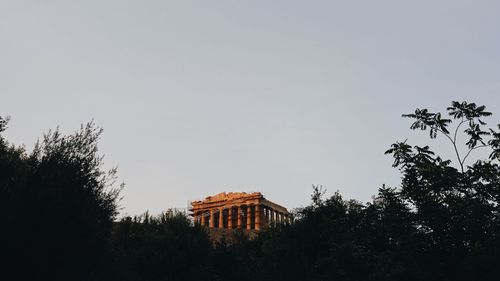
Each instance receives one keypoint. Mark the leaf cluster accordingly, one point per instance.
(461, 113)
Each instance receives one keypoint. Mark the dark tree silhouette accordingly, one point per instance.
(58, 206)
(462, 113)
(163, 247)
(456, 211)
(441, 223)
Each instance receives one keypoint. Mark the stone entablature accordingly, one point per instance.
(238, 210)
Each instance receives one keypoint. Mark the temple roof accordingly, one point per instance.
(226, 199)
(226, 196)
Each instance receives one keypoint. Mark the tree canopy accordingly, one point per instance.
(58, 205)
(442, 222)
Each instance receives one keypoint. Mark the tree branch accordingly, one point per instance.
(455, 147)
(474, 148)
(456, 130)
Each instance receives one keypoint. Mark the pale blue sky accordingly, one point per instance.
(198, 97)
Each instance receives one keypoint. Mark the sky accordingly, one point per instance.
(200, 97)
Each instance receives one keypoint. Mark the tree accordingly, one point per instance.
(58, 206)
(456, 211)
(442, 223)
(163, 247)
(462, 113)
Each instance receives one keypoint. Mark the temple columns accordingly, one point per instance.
(230, 218)
(212, 219)
(221, 218)
(202, 219)
(257, 217)
(249, 217)
(239, 215)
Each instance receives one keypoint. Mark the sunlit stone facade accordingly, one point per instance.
(238, 210)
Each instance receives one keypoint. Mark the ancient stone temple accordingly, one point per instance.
(238, 210)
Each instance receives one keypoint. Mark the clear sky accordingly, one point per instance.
(199, 97)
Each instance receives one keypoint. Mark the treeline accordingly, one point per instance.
(59, 213)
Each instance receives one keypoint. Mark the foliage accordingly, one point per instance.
(455, 211)
(441, 223)
(58, 206)
(462, 113)
(163, 247)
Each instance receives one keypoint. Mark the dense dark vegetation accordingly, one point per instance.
(59, 209)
